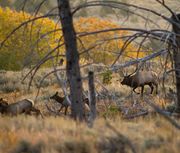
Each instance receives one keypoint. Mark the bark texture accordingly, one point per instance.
(176, 54)
(92, 99)
(72, 58)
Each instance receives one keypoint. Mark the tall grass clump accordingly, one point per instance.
(11, 81)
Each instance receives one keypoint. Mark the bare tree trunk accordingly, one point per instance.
(92, 99)
(176, 30)
(72, 57)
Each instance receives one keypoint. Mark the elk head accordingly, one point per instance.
(126, 80)
(54, 96)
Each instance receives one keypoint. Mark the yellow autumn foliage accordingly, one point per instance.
(106, 48)
(22, 50)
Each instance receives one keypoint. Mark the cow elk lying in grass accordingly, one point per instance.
(140, 79)
(64, 102)
(25, 106)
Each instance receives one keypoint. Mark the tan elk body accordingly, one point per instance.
(62, 100)
(140, 79)
(23, 106)
(65, 104)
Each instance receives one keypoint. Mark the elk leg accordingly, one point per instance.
(152, 88)
(28, 112)
(37, 111)
(156, 88)
(142, 90)
(61, 108)
(135, 90)
(66, 108)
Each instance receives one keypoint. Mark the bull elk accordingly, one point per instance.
(25, 106)
(140, 79)
(64, 102)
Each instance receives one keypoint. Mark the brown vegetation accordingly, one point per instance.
(23, 134)
(61, 134)
(113, 131)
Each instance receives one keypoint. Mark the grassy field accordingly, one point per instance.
(150, 133)
(62, 135)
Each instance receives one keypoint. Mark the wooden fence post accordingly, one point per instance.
(92, 99)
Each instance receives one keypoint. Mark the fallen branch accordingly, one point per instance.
(136, 115)
(139, 60)
(127, 64)
(163, 113)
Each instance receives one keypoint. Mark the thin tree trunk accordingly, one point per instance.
(92, 99)
(176, 54)
(72, 57)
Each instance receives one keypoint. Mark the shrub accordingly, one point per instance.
(108, 49)
(3, 79)
(107, 77)
(20, 49)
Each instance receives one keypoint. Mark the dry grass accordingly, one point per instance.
(12, 81)
(51, 135)
(151, 134)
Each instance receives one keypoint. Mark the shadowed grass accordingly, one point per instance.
(64, 135)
